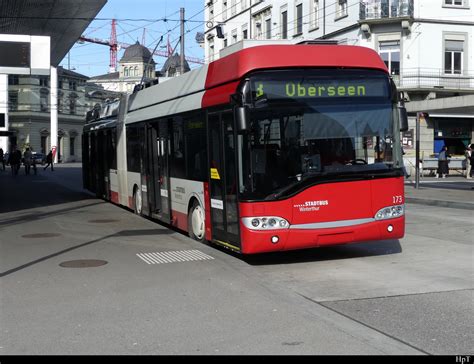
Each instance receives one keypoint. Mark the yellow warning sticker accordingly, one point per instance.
(215, 174)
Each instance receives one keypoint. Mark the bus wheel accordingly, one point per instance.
(196, 226)
(137, 201)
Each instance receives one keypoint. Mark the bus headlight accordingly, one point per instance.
(390, 212)
(265, 223)
(255, 223)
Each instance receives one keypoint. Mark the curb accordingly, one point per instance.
(441, 203)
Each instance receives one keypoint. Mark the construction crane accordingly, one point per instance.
(115, 46)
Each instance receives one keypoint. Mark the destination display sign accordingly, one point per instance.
(319, 88)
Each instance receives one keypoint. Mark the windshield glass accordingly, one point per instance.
(315, 125)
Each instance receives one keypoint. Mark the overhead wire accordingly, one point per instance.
(277, 31)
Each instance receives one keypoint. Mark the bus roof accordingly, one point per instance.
(238, 64)
(212, 84)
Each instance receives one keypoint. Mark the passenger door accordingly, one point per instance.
(153, 169)
(158, 170)
(222, 179)
(163, 150)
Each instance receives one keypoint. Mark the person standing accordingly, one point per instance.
(15, 160)
(1, 158)
(443, 168)
(27, 156)
(471, 160)
(49, 161)
(468, 155)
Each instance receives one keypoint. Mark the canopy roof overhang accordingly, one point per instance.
(63, 20)
(453, 107)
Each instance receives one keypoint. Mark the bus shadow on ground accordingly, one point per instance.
(348, 251)
(122, 233)
(35, 191)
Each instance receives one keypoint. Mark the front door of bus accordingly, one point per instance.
(222, 180)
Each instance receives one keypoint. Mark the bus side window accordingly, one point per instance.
(133, 149)
(177, 152)
(196, 157)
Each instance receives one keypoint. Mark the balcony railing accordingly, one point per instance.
(420, 78)
(382, 9)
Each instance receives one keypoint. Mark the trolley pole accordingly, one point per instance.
(181, 11)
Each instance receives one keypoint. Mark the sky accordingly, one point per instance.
(132, 17)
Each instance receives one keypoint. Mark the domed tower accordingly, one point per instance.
(172, 66)
(134, 61)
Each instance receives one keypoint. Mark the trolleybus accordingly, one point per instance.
(271, 148)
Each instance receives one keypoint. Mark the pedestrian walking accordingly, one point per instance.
(468, 154)
(15, 160)
(443, 168)
(49, 161)
(2, 155)
(471, 162)
(27, 157)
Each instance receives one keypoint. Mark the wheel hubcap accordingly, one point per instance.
(138, 201)
(198, 222)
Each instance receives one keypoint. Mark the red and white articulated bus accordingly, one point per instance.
(271, 148)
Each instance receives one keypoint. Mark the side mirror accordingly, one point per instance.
(241, 119)
(402, 112)
(403, 117)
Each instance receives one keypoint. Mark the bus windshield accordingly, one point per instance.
(310, 126)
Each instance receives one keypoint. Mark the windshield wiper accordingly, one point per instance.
(300, 179)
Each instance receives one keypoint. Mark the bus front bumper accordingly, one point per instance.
(254, 241)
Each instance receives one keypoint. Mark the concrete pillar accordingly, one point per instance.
(4, 109)
(54, 112)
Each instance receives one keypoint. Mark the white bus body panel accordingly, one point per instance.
(182, 191)
(187, 84)
(114, 184)
(189, 103)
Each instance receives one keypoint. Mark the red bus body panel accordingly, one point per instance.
(327, 203)
(237, 65)
(232, 68)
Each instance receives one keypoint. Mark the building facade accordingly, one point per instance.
(29, 112)
(135, 64)
(427, 45)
